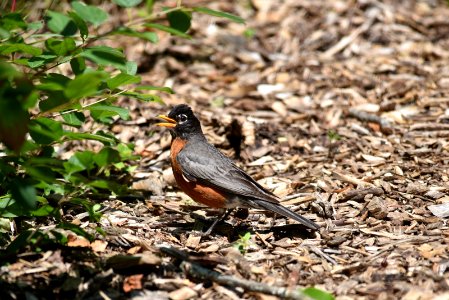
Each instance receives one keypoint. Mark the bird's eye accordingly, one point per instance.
(182, 118)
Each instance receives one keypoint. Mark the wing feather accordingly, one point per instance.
(209, 166)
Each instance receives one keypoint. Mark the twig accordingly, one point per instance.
(350, 179)
(320, 253)
(83, 107)
(367, 117)
(201, 273)
(153, 16)
(429, 126)
(428, 134)
(348, 268)
(197, 271)
(360, 194)
(347, 40)
(409, 238)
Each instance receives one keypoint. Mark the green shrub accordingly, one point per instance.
(42, 110)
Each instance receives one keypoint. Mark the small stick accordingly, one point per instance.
(367, 117)
(347, 40)
(429, 126)
(201, 273)
(327, 257)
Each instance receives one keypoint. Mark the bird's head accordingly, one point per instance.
(181, 121)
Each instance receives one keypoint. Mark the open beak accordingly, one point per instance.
(170, 122)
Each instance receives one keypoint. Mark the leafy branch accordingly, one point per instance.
(42, 109)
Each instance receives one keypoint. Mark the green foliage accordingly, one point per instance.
(333, 135)
(243, 243)
(171, 30)
(215, 13)
(317, 294)
(89, 13)
(53, 108)
(180, 20)
(127, 3)
(35, 240)
(249, 33)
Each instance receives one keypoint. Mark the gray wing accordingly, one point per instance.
(207, 165)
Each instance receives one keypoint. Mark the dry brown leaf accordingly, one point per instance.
(183, 293)
(99, 245)
(77, 241)
(133, 282)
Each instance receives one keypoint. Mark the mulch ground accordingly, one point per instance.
(339, 107)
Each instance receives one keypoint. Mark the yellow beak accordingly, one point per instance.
(170, 122)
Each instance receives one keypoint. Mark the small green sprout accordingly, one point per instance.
(243, 243)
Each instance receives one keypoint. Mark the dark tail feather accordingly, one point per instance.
(284, 211)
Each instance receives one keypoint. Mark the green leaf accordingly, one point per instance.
(15, 93)
(180, 20)
(131, 68)
(101, 111)
(126, 152)
(84, 85)
(122, 79)
(105, 56)
(168, 29)
(45, 131)
(12, 21)
(317, 294)
(92, 209)
(155, 88)
(80, 161)
(78, 65)
(127, 3)
(4, 34)
(108, 136)
(146, 35)
(9, 208)
(60, 47)
(54, 188)
(89, 136)
(36, 25)
(89, 13)
(144, 97)
(107, 156)
(13, 124)
(216, 13)
(41, 173)
(76, 229)
(39, 61)
(45, 159)
(75, 119)
(107, 185)
(7, 71)
(60, 23)
(43, 211)
(20, 242)
(57, 101)
(24, 193)
(59, 237)
(6, 49)
(82, 26)
(53, 82)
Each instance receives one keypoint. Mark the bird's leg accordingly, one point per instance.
(223, 216)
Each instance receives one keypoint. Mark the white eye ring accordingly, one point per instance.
(182, 118)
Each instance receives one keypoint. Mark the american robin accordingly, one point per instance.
(211, 178)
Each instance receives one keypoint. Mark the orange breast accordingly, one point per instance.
(200, 193)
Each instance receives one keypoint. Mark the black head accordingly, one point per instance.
(182, 122)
